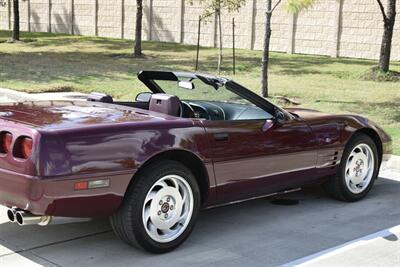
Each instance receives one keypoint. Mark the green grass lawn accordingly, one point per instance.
(56, 62)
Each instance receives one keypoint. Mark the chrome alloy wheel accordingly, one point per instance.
(168, 208)
(359, 168)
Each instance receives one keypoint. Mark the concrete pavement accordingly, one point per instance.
(255, 233)
(318, 231)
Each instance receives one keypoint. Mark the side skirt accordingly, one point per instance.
(253, 198)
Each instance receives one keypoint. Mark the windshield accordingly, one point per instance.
(200, 92)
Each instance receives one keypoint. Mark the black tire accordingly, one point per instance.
(336, 186)
(127, 222)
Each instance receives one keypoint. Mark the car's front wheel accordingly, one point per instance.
(159, 209)
(358, 170)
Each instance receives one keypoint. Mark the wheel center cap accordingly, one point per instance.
(165, 207)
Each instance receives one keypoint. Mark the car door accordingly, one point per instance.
(256, 157)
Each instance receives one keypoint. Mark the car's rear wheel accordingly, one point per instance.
(159, 209)
(358, 170)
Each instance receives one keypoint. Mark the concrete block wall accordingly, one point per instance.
(4, 16)
(129, 19)
(60, 16)
(314, 29)
(166, 20)
(243, 27)
(191, 23)
(109, 18)
(348, 28)
(280, 27)
(83, 17)
(362, 30)
(39, 15)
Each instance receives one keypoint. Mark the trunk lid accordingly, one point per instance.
(68, 114)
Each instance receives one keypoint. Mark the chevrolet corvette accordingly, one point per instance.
(187, 142)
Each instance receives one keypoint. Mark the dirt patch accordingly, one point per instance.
(375, 74)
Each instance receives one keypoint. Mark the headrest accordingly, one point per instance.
(167, 104)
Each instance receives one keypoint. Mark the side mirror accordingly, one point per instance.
(280, 117)
(143, 97)
(186, 85)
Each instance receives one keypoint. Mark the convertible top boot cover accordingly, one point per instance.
(167, 104)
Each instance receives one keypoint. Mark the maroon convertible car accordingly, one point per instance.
(191, 141)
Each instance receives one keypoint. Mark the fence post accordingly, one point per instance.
(198, 44)
(28, 11)
(9, 14)
(72, 16)
(338, 28)
(215, 29)
(122, 19)
(150, 21)
(292, 33)
(181, 20)
(96, 10)
(233, 46)
(49, 16)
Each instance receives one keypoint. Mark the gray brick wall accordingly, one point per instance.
(348, 28)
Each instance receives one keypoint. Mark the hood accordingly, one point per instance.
(70, 114)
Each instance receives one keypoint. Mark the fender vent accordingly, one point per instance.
(328, 159)
(335, 159)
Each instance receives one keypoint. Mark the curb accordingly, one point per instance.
(14, 95)
(394, 163)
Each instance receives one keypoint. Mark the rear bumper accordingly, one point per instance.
(57, 197)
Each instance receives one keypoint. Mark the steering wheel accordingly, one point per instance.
(208, 116)
(183, 103)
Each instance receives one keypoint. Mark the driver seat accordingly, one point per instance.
(167, 104)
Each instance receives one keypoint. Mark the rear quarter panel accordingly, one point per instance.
(115, 148)
(115, 151)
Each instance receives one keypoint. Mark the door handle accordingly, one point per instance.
(220, 137)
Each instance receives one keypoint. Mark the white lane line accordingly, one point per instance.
(344, 247)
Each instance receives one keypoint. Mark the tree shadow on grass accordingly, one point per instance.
(283, 64)
(71, 66)
(391, 108)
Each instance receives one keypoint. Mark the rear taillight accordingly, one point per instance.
(6, 139)
(26, 147)
(23, 147)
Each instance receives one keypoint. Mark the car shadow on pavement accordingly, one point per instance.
(254, 233)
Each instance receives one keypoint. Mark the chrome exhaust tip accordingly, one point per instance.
(24, 218)
(11, 214)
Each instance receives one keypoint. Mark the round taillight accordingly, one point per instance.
(6, 141)
(23, 147)
(26, 147)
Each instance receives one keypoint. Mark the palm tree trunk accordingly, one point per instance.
(138, 31)
(15, 33)
(386, 46)
(265, 57)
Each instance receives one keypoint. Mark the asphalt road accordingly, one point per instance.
(255, 233)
